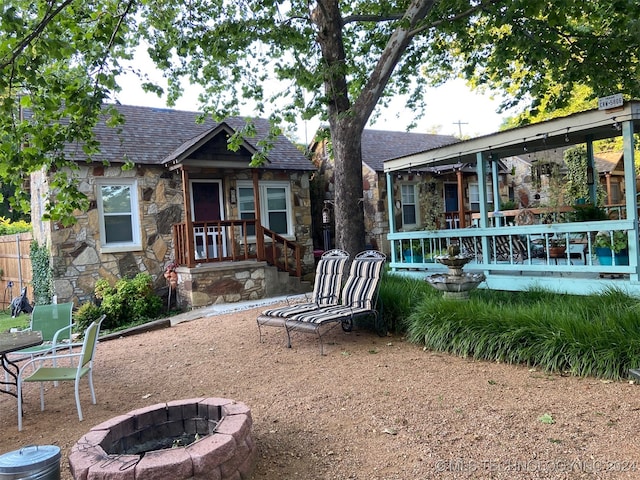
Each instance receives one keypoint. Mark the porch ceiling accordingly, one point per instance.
(574, 129)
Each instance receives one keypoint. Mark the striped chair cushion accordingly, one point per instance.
(326, 287)
(358, 294)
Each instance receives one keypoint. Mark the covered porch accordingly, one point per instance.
(516, 249)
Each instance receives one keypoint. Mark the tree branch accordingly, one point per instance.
(51, 14)
(372, 18)
(466, 13)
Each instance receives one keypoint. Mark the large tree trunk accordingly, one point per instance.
(348, 118)
(349, 209)
(346, 131)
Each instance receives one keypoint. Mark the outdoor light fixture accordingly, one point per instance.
(616, 125)
(232, 196)
(590, 179)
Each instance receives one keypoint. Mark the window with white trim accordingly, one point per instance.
(474, 197)
(117, 201)
(275, 206)
(409, 204)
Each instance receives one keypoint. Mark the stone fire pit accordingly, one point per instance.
(147, 444)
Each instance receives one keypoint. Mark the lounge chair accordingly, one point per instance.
(326, 291)
(359, 297)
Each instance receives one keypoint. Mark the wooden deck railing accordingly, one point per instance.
(234, 240)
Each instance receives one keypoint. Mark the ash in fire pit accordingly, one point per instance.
(185, 439)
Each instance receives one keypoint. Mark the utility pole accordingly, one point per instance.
(459, 123)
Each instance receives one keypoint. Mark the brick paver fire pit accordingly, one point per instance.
(202, 438)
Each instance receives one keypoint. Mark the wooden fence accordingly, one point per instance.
(15, 267)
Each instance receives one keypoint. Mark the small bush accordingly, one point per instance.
(87, 313)
(129, 301)
(7, 227)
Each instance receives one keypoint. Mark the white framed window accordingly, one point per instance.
(275, 206)
(117, 201)
(474, 196)
(409, 196)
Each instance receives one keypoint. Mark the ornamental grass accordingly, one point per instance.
(595, 335)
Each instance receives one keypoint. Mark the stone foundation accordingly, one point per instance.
(224, 282)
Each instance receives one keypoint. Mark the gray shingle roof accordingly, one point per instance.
(151, 135)
(381, 145)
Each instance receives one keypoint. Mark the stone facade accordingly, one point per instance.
(78, 261)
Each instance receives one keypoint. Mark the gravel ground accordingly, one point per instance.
(371, 408)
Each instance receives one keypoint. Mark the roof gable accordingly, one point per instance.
(154, 136)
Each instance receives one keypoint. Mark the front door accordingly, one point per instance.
(206, 209)
(451, 207)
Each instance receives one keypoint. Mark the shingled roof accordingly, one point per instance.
(154, 135)
(381, 145)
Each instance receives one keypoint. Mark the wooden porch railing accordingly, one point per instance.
(234, 240)
(283, 253)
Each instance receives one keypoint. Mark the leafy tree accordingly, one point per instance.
(335, 59)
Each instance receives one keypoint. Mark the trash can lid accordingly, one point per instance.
(29, 457)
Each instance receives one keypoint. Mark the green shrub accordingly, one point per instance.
(87, 313)
(7, 227)
(42, 274)
(129, 301)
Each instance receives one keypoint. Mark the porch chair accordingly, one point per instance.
(359, 298)
(510, 248)
(326, 291)
(55, 323)
(45, 373)
(507, 248)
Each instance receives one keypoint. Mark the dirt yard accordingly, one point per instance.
(371, 408)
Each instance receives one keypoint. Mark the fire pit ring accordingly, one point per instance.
(222, 447)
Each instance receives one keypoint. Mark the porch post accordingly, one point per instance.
(593, 189)
(392, 218)
(461, 220)
(259, 228)
(607, 176)
(481, 164)
(188, 221)
(481, 168)
(496, 190)
(630, 195)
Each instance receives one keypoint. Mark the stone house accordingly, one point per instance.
(417, 193)
(234, 230)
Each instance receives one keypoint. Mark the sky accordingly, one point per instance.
(452, 109)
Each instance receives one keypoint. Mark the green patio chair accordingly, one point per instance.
(55, 323)
(46, 373)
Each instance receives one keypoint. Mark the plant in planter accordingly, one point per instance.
(557, 247)
(588, 212)
(610, 244)
(412, 252)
